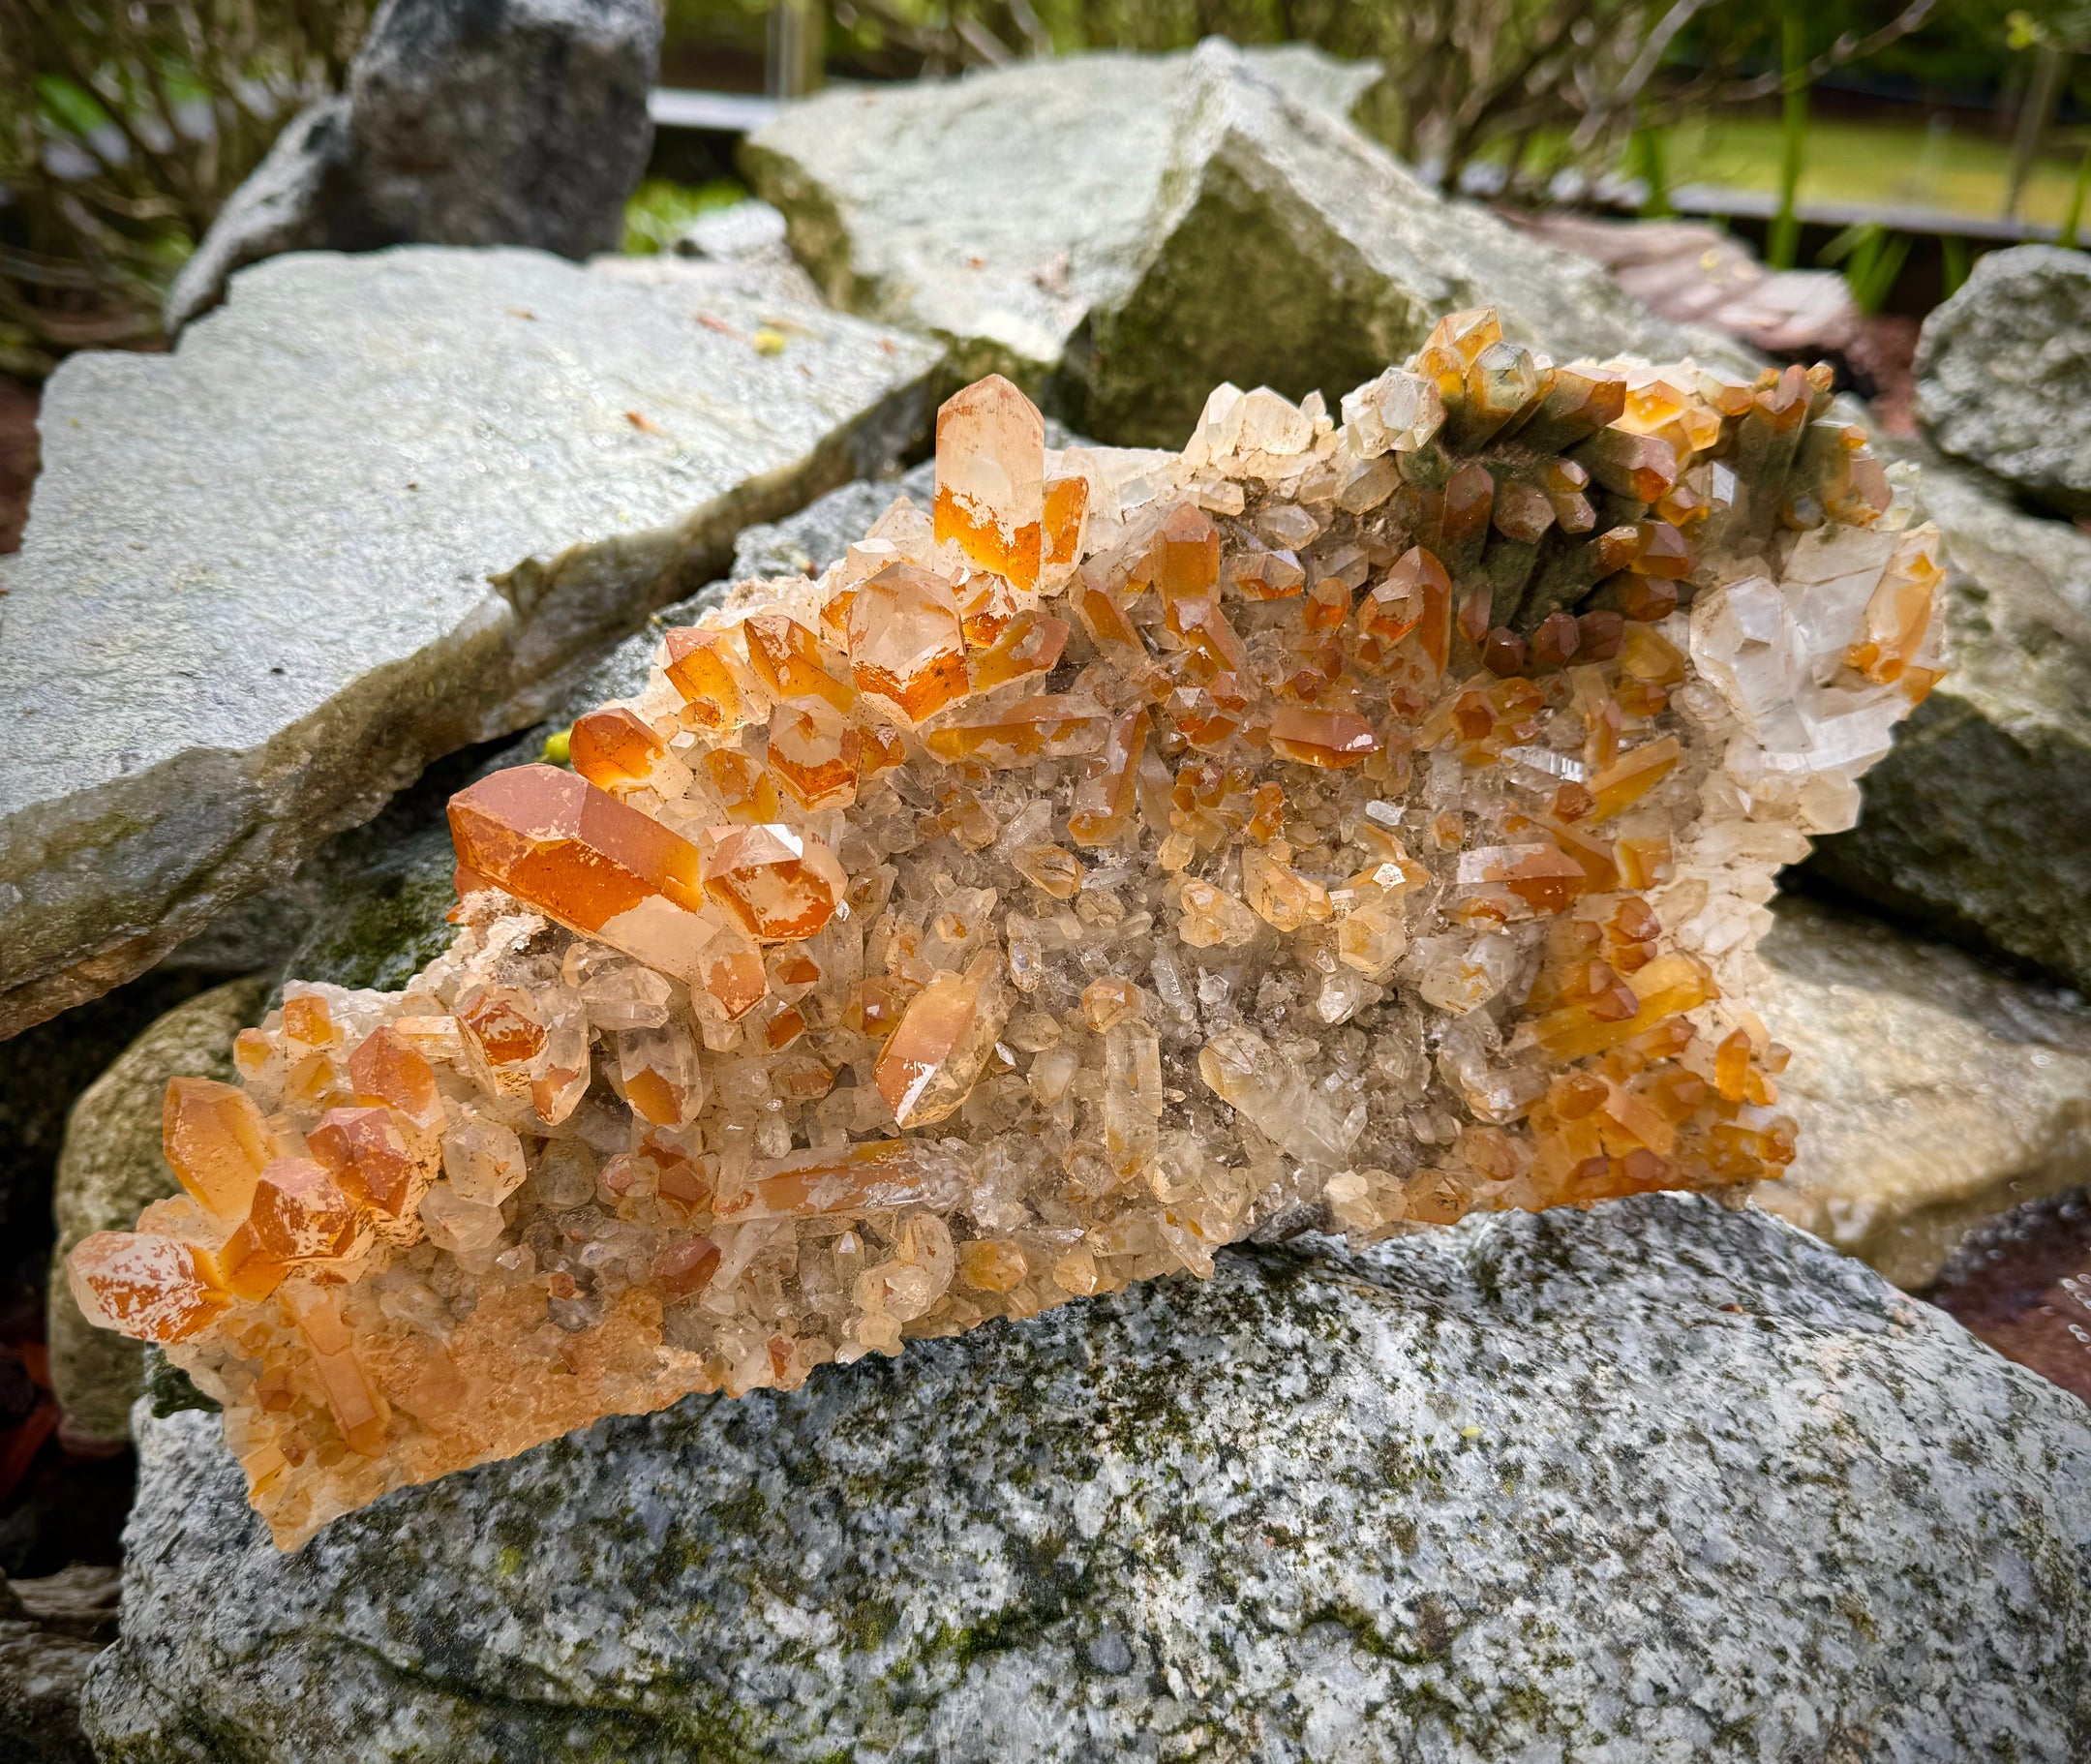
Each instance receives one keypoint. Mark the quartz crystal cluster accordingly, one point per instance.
(1346, 824)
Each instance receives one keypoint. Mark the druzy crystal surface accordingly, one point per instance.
(1346, 824)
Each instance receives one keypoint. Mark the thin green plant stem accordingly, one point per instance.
(2071, 221)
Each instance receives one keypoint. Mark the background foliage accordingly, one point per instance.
(125, 123)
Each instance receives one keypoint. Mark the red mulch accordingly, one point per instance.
(2025, 1289)
(19, 455)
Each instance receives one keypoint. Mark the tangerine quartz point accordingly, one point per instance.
(557, 843)
(777, 884)
(991, 492)
(614, 749)
(215, 1141)
(906, 646)
(1365, 819)
(144, 1284)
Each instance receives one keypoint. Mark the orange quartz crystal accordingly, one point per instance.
(215, 1141)
(614, 749)
(775, 882)
(558, 842)
(815, 752)
(906, 647)
(144, 1284)
(1332, 822)
(991, 491)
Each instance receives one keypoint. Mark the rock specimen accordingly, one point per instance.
(374, 510)
(1978, 825)
(1655, 1482)
(2004, 372)
(466, 122)
(1128, 852)
(1931, 1093)
(1117, 232)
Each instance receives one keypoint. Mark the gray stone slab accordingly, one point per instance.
(1121, 232)
(465, 122)
(1287, 249)
(1653, 1482)
(1933, 1093)
(379, 508)
(994, 211)
(2004, 372)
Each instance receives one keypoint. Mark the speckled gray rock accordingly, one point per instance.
(807, 542)
(1978, 824)
(996, 210)
(1933, 1093)
(379, 508)
(1120, 233)
(2004, 372)
(1651, 1483)
(110, 1171)
(466, 122)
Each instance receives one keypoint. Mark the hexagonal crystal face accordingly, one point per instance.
(1360, 823)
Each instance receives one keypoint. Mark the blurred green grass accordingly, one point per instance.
(661, 211)
(1878, 162)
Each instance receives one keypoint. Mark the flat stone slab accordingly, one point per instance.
(1933, 1093)
(995, 210)
(1655, 1482)
(376, 507)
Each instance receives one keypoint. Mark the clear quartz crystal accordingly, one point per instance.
(1353, 824)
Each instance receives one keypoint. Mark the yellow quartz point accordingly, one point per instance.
(990, 494)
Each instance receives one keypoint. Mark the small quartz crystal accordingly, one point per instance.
(1352, 824)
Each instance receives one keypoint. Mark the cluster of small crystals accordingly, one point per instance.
(1345, 825)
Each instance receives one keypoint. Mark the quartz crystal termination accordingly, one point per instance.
(1345, 824)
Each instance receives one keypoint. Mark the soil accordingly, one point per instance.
(18, 453)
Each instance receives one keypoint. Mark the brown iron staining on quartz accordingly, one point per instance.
(1354, 825)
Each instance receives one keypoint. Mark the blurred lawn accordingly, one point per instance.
(1871, 161)
(661, 211)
